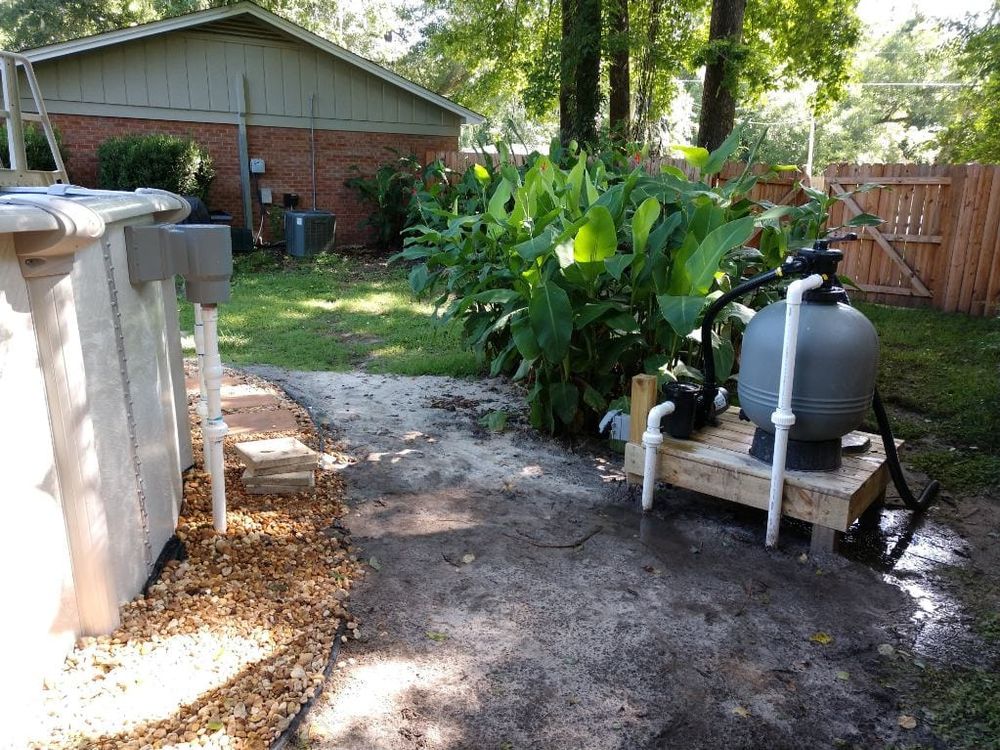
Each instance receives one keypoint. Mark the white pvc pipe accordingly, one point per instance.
(783, 418)
(214, 429)
(652, 439)
(202, 407)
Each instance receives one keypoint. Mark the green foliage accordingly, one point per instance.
(974, 134)
(166, 162)
(36, 148)
(572, 279)
(948, 414)
(872, 123)
(329, 312)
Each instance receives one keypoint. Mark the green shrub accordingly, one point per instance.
(167, 162)
(573, 280)
(36, 148)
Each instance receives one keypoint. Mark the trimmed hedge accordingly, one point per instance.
(36, 148)
(166, 162)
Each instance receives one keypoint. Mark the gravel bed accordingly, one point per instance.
(230, 643)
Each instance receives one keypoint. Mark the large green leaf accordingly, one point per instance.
(642, 221)
(659, 236)
(498, 203)
(696, 156)
(718, 158)
(536, 247)
(594, 311)
(617, 264)
(419, 278)
(597, 239)
(565, 398)
(524, 337)
(574, 186)
(551, 320)
(703, 265)
(681, 312)
(865, 220)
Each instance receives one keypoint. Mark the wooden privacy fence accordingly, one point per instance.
(939, 243)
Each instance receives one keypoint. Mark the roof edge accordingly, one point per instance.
(198, 18)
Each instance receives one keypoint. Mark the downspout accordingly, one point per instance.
(783, 418)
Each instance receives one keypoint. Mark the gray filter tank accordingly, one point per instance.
(835, 367)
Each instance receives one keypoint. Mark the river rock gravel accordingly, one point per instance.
(230, 643)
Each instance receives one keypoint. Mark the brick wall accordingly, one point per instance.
(285, 151)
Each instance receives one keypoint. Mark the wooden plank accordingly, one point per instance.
(966, 203)
(824, 541)
(899, 291)
(197, 61)
(136, 86)
(908, 273)
(113, 72)
(993, 285)
(291, 75)
(987, 239)
(928, 239)
(218, 77)
(974, 238)
(894, 179)
(643, 399)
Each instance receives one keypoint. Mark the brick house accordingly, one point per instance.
(245, 84)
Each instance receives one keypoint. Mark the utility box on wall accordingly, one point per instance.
(309, 232)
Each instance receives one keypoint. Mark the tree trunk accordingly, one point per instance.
(587, 40)
(567, 73)
(718, 101)
(620, 95)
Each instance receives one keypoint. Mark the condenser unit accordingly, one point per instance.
(309, 232)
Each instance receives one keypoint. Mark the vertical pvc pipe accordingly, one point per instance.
(652, 439)
(202, 406)
(215, 429)
(783, 418)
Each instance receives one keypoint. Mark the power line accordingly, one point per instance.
(878, 84)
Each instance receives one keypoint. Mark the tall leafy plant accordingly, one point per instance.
(574, 279)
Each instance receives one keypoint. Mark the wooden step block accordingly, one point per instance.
(277, 452)
(291, 479)
(271, 471)
(271, 489)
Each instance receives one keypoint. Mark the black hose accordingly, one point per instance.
(916, 504)
(708, 360)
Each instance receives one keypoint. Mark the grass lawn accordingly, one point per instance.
(940, 376)
(940, 373)
(332, 313)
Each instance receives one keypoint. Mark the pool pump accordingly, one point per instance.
(807, 378)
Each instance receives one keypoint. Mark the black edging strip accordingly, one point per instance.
(173, 549)
(293, 728)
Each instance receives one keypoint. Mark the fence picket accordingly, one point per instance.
(942, 221)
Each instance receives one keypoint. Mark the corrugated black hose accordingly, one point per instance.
(916, 504)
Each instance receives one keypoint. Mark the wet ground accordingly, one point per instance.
(518, 599)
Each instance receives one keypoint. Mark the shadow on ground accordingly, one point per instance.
(517, 599)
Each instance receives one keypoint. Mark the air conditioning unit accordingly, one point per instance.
(309, 232)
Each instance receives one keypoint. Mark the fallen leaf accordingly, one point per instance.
(374, 563)
(822, 639)
(886, 650)
(214, 726)
(803, 558)
(842, 675)
(468, 558)
(741, 711)
(907, 722)
(436, 636)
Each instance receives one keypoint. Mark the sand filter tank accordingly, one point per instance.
(836, 363)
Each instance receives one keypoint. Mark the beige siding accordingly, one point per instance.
(195, 73)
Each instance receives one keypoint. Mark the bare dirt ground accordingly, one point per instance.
(518, 599)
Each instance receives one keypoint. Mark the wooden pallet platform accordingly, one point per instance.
(716, 461)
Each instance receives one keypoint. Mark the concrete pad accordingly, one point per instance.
(265, 454)
(250, 422)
